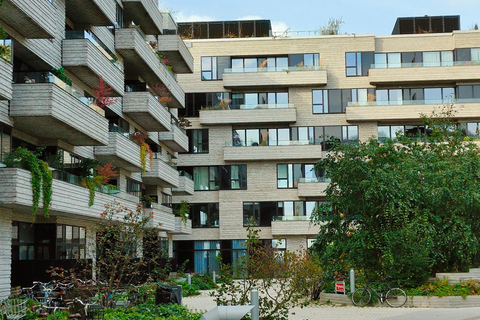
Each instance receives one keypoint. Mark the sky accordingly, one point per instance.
(359, 16)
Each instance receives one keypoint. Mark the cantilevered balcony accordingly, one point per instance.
(41, 98)
(70, 199)
(293, 226)
(146, 110)
(182, 227)
(143, 13)
(175, 50)
(293, 150)
(6, 76)
(271, 77)
(176, 139)
(92, 12)
(161, 174)
(312, 187)
(408, 110)
(410, 73)
(185, 184)
(142, 61)
(31, 19)
(84, 57)
(121, 151)
(259, 113)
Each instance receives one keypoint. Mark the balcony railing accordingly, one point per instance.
(253, 106)
(291, 218)
(182, 173)
(273, 69)
(76, 180)
(272, 143)
(314, 180)
(424, 64)
(86, 34)
(48, 77)
(412, 102)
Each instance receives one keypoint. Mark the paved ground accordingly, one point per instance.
(204, 303)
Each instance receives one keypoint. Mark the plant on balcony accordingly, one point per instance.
(6, 52)
(182, 210)
(102, 94)
(139, 138)
(165, 101)
(163, 59)
(95, 175)
(184, 122)
(41, 176)
(60, 73)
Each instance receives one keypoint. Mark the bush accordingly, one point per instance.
(441, 288)
(149, 311)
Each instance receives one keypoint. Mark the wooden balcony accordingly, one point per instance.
(121, 151)
(294, 226)
(92, 12)
(265, 77)
(147, 111)
(6, 69)
(262, 153)
(161, 174)
(61, 115)
(71, 200)
(84, 60)
(185, 186)
(176, 139)
(31, 19)
(143, 13)
(176, 52)
(425, 75)
(256, 114)
(182, 227)
(409, 111)
(142, 61)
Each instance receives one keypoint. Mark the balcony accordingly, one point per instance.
(161, 174)
(92, 12)
(142, 61)
(410, 73)
(6, 69)
(70, 199)
(294, 150)
(182, 227)
(176, 52)
(147, 111)
(312, 187)
(259, 113)
(85, 58)
(121, 151)
(408, 110)
(143, 13)
(185, 184)
(294, 226)
(29, 18)
(175, 139)
(270, 77)
(44, 98)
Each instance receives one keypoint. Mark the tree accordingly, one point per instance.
(102, 94)
(332, 27)
(283, 278)
(404, 209)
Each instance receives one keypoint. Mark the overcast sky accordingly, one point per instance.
(360, 16)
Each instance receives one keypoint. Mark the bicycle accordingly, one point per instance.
(395, 297)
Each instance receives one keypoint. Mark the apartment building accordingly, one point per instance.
(134, 47)
(265, 109)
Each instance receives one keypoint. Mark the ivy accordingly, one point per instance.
(41, 176)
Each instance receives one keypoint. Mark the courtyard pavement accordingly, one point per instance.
(204, 302)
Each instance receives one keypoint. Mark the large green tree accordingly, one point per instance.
(403, 208)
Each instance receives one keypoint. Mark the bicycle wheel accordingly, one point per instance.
(396, 297)
(361, 297)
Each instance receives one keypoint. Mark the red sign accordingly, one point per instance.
(340, 286)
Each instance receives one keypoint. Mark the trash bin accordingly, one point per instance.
(168, 294)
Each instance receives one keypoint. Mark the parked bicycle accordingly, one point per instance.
(395, 297)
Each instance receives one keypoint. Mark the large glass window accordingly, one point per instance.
(205, 215)
(197, 140)
(213, 67)
(232, 177)
(263, 213)
(205, 254)
(289, 174)
(336, 100)
(391, 132)
(358, 63)
(194, 102)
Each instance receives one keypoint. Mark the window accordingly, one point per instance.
(205, 254)
(166, 200)
(256, 99)
(232, 177)
(289, 174)
(197, 140)
(336, 100)
(205, 215)
(304, 60)
(358, 63)
(213, 67)
(388, 60)
(134, 187)
(194, 102)
(71, 242)
(263, 213)
(391, 132)
(468, 92)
